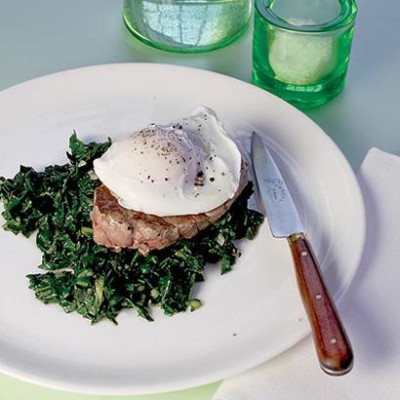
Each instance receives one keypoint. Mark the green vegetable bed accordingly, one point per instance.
(82, 276)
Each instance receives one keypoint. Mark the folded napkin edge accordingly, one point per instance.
(379, 154)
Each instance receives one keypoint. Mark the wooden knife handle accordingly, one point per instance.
(332, 344)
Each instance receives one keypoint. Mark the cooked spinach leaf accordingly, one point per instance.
(84, 277)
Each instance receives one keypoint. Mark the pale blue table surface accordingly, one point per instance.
(45, 36)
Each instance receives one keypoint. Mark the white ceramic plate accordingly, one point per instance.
(250, 314)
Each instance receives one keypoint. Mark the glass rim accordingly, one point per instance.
(348, 12)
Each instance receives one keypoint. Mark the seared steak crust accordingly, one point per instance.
(116, 227)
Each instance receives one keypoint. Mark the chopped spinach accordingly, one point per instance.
(82, 276)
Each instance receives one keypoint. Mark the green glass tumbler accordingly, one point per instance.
(187, 26)
(301, 48)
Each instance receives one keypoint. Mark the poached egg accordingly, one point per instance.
(189, 166)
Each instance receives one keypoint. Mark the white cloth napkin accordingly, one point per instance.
(370, 311)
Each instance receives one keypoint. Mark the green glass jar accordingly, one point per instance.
(301, 49)
(187, 26)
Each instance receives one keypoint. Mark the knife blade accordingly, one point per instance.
(331, 341)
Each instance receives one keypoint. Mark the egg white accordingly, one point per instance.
(189, 166)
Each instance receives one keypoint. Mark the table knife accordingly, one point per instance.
(331, 341)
